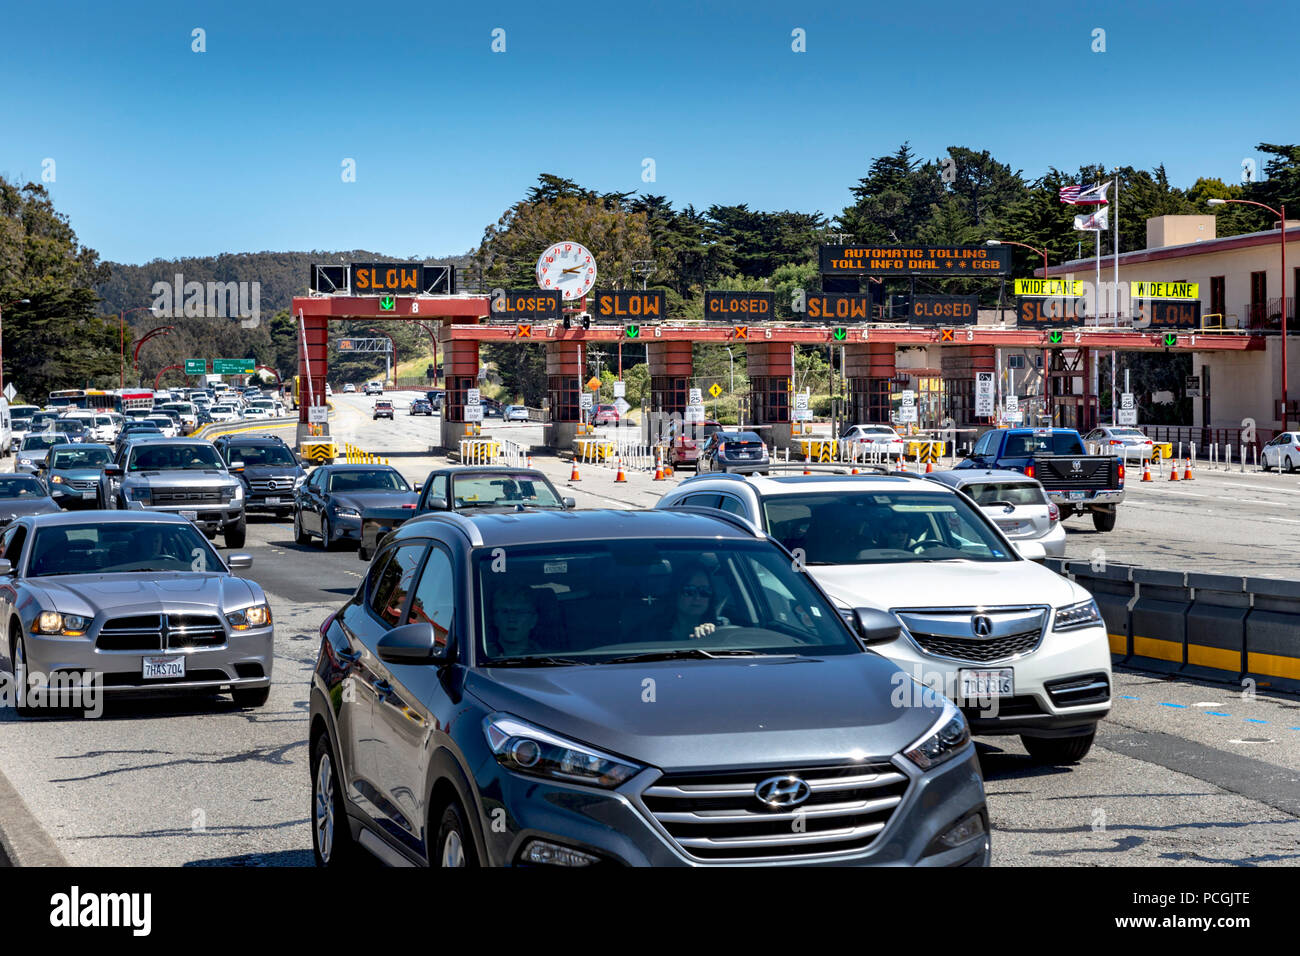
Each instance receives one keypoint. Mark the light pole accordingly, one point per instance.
(1282, 219)
(152, 333)
(121, 328)
(392, 342)
(1008, 242)
(2, 328)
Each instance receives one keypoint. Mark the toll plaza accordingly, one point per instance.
(945, 340)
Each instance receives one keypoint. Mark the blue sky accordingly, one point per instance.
(164, 152)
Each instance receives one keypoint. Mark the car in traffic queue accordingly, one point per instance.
(1014, 502)
(34, 448)
(515, 413)
(605, 415)
(880, 439)
(1123, 441)
(329, 504)
(169, 426)
(1282, 453)
(734, 451)
(224, 412)
(189, 417)
(349, 388)
(419, 406)
(73, 474)
(135, 430)
(258, 412)
(684, 447)
(142, 602)
(19, 427)
(23, 411)
(383, 409)
(465, 713)
(22, 495)
(373, 388)
(75, 428)
(269, 469)
(183, 476)
(464, 489)
(1021, 649)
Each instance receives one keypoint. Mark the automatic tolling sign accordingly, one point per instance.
(945, 310)
(1049, 312)
(629, 305)
(842, 307)
(526, 305)
(916, 260)
(742, 307)
(399, 278)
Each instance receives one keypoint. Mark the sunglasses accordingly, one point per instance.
(692, 591)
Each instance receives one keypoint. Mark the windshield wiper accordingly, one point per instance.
(532, 662)
(698, 653)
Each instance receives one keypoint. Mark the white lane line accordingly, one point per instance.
(1186, 494)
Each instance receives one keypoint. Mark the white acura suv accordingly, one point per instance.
(1021, 649)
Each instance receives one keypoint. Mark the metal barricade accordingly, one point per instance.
(479, 451)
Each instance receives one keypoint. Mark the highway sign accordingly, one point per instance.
(984, 397)
(473, 396)
(1127, 416)
(1126, 400)
(387, 303)
(907, 414)
(10, 391)
(694, 414)
(915, 260)
(473, 413)
(586, 400)
(318, 414)
(620, 389)
(1012, 403)
(593, 383)
(715, 389)
(622, 405)
(196, 366)
(696, 397)
(232, 366)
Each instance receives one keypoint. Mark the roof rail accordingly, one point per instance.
(459, 521)
(722, 474)
(744, 524)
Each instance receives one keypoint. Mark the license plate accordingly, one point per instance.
(272, 501)
(1010, 525)
(190, 515)
(155, 667)
(986, 683)
(88, 495)
(1078, 495)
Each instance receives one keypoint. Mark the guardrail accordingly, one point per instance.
(1218, 627)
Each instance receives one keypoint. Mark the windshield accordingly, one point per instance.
(118, 546)
(377, 480)
(160, 422)
(72, 426)
(14, 486)
(174, 458)
(595, 602)
(256, 455)
(1010, 492)
(43, 441)
(1127, 433)
(82, 457)
(1027, 444)
(881, 528)
(21, 424)
(486, 491)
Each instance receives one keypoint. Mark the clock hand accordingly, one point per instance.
(574, 269)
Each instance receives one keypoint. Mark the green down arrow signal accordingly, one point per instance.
(387, 303)
(1055, 338)
(839, 333)
(633, 331)
(1170, 340)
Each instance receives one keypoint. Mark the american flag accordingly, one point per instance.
(1085, 196)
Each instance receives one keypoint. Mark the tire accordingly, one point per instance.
(325, 531)
(299, 536)
(1058, 750)
(331, 837)
(236, 533)
(1104, 520)
(250, 696)
(363, 553)
(18, 662)
(1263, 463)
(1290, 465)
(455, 843)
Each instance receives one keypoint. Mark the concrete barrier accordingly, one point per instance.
(1159, 620)
(1216, 626)
(1273, 634)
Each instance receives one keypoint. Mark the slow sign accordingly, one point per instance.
(1049, 312)
(843, 307)
(646, 304)
(739, 306)
(368, 277)
(1166, 314)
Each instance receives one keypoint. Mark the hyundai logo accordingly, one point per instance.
(781, 792)
(981, 625)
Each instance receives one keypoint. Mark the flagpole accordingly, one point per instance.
(1115, 246)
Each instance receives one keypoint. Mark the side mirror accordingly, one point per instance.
(419, 486)
(239, 561)
(876, 626)
(113, 471)
(236, 466)
(5, 567)
(569, 502)
(414, 644)
(1031, 550)
(436, 504)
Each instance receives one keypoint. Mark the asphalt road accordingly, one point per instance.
(1183, 772)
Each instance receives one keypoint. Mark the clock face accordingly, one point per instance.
(569, 267)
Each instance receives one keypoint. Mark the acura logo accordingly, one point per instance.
(981, 625)
(781, 792)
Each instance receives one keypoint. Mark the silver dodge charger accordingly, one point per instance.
(134, 602)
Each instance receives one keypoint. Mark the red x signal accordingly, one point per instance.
(945, 335)
(525, 331)
(742, 331)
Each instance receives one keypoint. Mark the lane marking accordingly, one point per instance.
(1167, 704)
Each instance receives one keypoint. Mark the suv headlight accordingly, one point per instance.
(943, 741)
(527, 749)
(237, 491)
(141, 494)
(259, 615)
(343, 512)
(1072, 616)
(67, 625)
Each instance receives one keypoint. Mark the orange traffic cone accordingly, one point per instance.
(1146, 470)
(1173, 472)
(854, 471)
(1187, 475)
(573, 476)
(659, 468)
(806, 471)
(929, 467)
(899, 466)
(620, 476)
(530, 461)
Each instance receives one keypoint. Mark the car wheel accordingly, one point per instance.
(18, 661)
(363, 553)
(299, 536)
(1263, 461)
(250, 696)
(326, 532)
(455, 843)
(331, 837)
(1290, 465)
(1103, 520)
(236, 533)
(1058, 750)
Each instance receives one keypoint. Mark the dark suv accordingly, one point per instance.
(615, 687)
(271, 472)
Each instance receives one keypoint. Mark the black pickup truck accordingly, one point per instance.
(1074, 480)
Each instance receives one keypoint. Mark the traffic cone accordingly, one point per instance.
(530, 461)
(805, 469)
(659, 469)
(620, 476)
(1173, 472)
(573, 475)
(929, 467)
(1146, 470)
(854, 471)
(1187, 476)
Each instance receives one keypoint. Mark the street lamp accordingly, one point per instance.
(121, 329)
(2, 327)
(1281, 218)
(1008, 242)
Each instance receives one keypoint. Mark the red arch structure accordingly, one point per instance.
(163, 371)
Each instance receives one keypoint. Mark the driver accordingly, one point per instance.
(693, 612)
(894, 533)
(514, 615)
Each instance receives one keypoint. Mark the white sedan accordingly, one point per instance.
(1283, 452)
(260, 412)
(1122, 441)
(875, 438)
